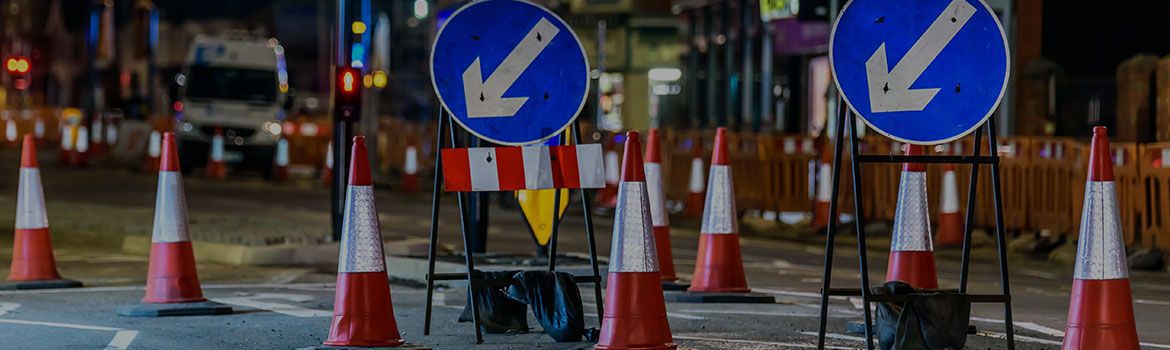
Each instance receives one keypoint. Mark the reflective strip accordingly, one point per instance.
(82, 143)
(66, 138)
(613, 168)
(537, 165)
(719, 212)
(958, 148)
(410, 162)
(1119, 157)
(329, 156)
(282, 152)
(112, 134)
(808, 146)
(10, 131)
(1059, 151)
(217, 148)
(657, 197)
(589, 167)
(911, 231)
(632, 249)
(1100, 251)
(39, 128)
(696, 185)
(482, 165)
(361, 238)
(1166, 157)
(824, 183)
(789, 146)
(170, 209)
(96, 131)
(30, 201)
(950, 193)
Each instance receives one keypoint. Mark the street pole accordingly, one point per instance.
(342, 124)
(748, 80)
(601, 29)
(766, 75)
(91, 80)
(151, 61)
(693, 70)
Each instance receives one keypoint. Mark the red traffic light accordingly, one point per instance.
(347, 80)
(17, 65)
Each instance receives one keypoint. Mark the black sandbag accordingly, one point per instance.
(555, 301)
(498, 313)
(930, 320)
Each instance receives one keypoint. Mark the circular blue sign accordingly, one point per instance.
(509, 71)
(920, 71)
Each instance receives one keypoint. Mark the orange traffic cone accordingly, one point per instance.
(911, 251)
(824, 194)
(1100, 312)
(172, 283)
(635, 312)
(363, 314)
(327, 170)
(33, 266)
(410, 168)
(67, 139)
(10, 132)
(719, 273)
(950, 220)
(39, 130)
(607, 197)
(280, 162)
(216, 167)
(80, 155)
(693, 205)
(153, 150)
(658, 214)
(97, 137)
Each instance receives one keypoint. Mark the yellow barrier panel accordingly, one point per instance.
(537, 211)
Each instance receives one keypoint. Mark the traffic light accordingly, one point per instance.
(18, 67)
(347, 105)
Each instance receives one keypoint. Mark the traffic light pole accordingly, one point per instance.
(346, 110)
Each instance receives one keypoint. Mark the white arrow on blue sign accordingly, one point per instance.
(509, 71)
(920, 71)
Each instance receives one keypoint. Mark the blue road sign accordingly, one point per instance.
(920, 71)
(509, 71)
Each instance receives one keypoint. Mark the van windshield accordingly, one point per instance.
(231, 84)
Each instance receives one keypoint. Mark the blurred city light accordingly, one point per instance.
(421, 9)
(358, 27)
(380, 79)
(665, 74)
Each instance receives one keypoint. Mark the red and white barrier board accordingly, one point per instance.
(522, 168)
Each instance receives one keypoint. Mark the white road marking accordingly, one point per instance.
(669, 314)
(839, 336)
(121, 341)
(1152, 302)
(205, 287)
(795, 293)
(858, 303)
(782, 345)
(6, 307)
(1049, 331)
(291, 310)
(758, 313)
(1039, 274)
(1022, 338)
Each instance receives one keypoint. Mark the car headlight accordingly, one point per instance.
(272, 128)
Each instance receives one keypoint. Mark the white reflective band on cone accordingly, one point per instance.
(824, 183)
(632, 249)
(66, 138)
(719, 213)
(789, 146)
(696, 184)
(911, 231)
(1100, 251)
(30, 201)
(410, 161)
(1119, 157)
(485, 175)
(217, 148)
(282, 152)
(950, 193)
(112, 134)
(612, 168)
(808, 146)
(96, 131)
(10, 133)
(154, 148)
(39, 128)
(536, 165)
(589, 166)
(82, 139)
(329, 155)
(170, 209)
(657, 196)
(361, 240)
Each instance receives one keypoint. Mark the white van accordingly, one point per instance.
(239, 86)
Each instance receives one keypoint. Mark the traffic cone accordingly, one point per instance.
(80, 155)
(950, 220)
(719, 273)
(658, 214)
(363, 314)
(111, 135)
(607, 197)
(10, 132)
(153, 150)
(327, 170)
(824, 193)
(410, 168)
(33, 266)
(693, 205)
(635, 312)
(216, 167)
(280, 163)
(97, 137)
(67, 139)
(911, 251)
(39, 130)
(172, 283)
(1100, 312)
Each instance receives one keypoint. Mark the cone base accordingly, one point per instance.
(43, 284)
(635, 313)
(1100, 316)
(675, 286)
(410, 183)
(171, 277)
(914, 267)
(716, 297)
(216, 170)
(719, 265)
(820, 216)
(202, 308)
(693, 207)
(665, 256)
(363, 314)
(400, 346)
(32, 256)
(950, 230)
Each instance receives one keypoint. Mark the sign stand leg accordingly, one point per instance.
(970, 219)
(1001, 241)
(468, 256)
(859, 222)
(436, 195)
(831, 229)
(587, 209)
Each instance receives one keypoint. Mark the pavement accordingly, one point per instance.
(285, 306)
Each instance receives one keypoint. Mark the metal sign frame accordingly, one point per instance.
(975, 160)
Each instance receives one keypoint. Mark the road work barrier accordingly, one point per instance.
(33, 266)
(635, 312)
(1100, 313)
(172, 283)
